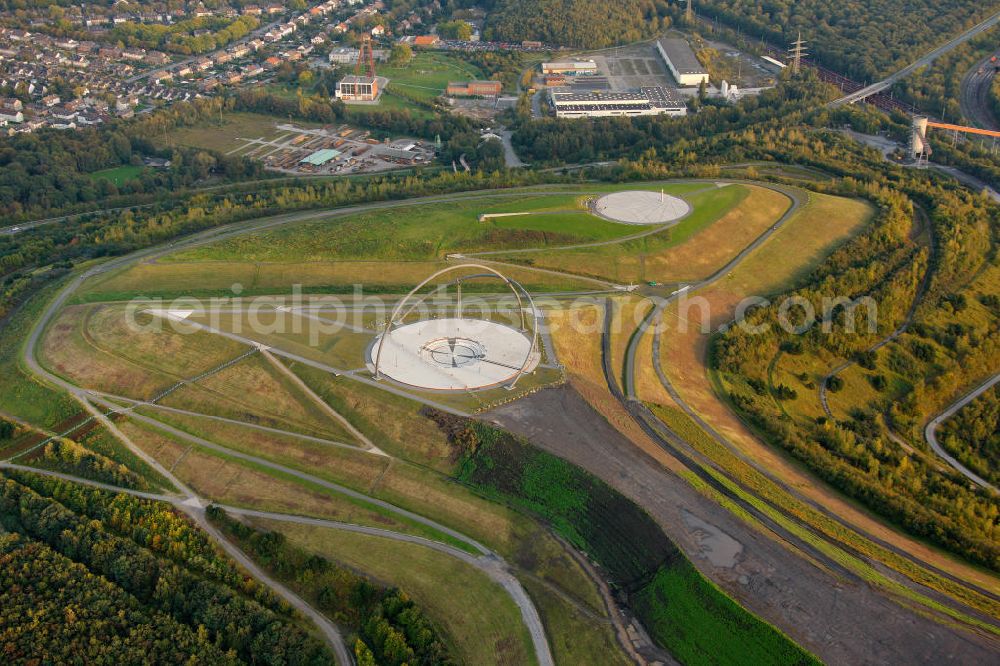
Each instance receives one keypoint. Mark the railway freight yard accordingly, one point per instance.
(331, 151)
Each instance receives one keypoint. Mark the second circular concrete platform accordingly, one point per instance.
(641, 207)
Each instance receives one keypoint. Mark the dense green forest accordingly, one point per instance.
(391, 627)
(973, 435)
(685, 613)
(860, 39)
(918, 375)
(936, 89)
(49, 171)
(91, 576)
(577, 23)
(913, 376)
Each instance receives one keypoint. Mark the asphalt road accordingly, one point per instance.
(223, 419)
(654, 316)
(225, 232)
(930, 432)
(629, 375)
(974, 95)
(924, 60)
(511, 160)
(26, 226)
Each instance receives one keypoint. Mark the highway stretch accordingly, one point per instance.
(930, 432)
(924, 60)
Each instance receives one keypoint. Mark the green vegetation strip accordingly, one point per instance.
(685, 613)
(764, 494)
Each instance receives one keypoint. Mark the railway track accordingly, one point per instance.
(974, 95)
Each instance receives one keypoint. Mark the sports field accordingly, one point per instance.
(427, 75)
(118, 175)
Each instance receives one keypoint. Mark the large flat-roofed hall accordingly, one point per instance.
(571, 68)
(682, 62)
(651, 101)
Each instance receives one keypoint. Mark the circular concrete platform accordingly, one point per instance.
(641, 207)
(453, 354)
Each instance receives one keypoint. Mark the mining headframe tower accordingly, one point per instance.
(364, 86)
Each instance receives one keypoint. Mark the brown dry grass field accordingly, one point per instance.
(800, 244)
(575, 637)
(528, 546)
(261, 388)
(197, 399)
(629, 312)
(218, 278)
(66, 351)
(231, 482)
(225, 134)
(696, 257)
(392, 422)
(251, 394)
(184, 354)
(354, 468)
(711, 248)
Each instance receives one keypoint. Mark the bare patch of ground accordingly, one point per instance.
(839, 620)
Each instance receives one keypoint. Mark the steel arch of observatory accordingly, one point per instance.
(455, 352)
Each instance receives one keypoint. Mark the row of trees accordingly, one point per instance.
(194, 610)
(865, 40)
(945, 349)
(49, 171)
(65, 455)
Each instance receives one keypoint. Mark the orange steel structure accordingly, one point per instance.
(366, 57)
(962, 128)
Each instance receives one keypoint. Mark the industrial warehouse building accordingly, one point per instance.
(321, 157)
(652, 101)
(573, 68)
(356, 88)
(682, 62)
(474, 88)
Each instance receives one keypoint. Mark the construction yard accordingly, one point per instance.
(331, 150)
(302, 148)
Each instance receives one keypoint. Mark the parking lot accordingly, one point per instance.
(633, 67)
